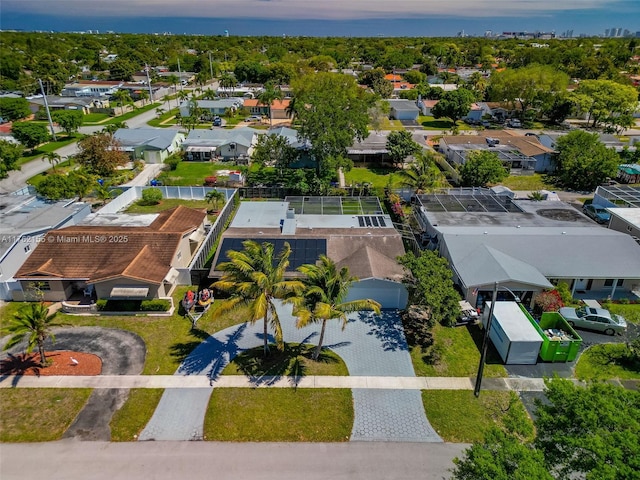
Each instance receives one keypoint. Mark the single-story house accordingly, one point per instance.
(204, 145)
(213, 107)
(360, 237)
(83, 104)
(25, 221)
(115, 262)
(526, 245)
(625, 220)
(425, 106)
(276, 111)
(153, 145)
(91, 89)
(403, 110)
(519, 151)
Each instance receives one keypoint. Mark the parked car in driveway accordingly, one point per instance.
(597, 213)
(597, 319)
(253, 118)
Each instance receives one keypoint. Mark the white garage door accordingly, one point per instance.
(390, 295)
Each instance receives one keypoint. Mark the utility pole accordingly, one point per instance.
(146, 69)
(485, 342)
(180, 75)
(46, 106)
(211, 67)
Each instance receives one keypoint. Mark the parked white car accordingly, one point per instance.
(597, 319)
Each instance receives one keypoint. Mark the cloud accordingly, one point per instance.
(307, 9)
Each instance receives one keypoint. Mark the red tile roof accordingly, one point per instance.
(98, 253)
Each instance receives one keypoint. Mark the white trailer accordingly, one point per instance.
(516, 340)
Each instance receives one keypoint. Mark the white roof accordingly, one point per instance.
(514, 322)
(629, 215)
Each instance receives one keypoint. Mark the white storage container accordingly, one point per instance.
(516, 340)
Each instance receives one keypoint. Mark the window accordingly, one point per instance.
(608, 282)
(620, 282)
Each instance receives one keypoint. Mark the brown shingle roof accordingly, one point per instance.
(97, 253)
(529, 146)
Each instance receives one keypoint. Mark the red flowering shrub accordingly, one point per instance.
(549, 301)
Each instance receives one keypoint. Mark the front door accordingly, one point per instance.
(581, 284)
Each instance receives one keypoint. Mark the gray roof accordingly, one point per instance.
(30, 214)
(233, 102)
(486, 265)
(241, 136)
(556, 252)
(158, 138)
(404, 105)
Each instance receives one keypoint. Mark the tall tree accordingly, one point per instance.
(481, 168)
(454, 104)
(530, 87)
(270, 94)
(254, 279)
(332, 112)
(273, 151)
(12, 109)
(30, 134)
(606, 101)
(10, 153)
(69, 120)
(430, 284)
(400, 145)
(100, 154)
(583, 162)
(35, 322)
(323, 298)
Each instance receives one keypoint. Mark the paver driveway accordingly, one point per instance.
(370, 345)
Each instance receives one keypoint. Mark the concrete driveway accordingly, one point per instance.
(370, 345)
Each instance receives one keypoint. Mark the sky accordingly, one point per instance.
(322, 17)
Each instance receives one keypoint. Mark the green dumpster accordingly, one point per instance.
(560, 342)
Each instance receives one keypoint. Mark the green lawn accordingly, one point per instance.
(93, 118)
(458, 354)
(168, 339)
(166, 204)
(130, 420)
(605, 361)
(49, 147)
(279, 415)
(294, 360)
(534, 182)
(39, 415)
(431, 123)
(377, 177)
(134, 113)
(631, 312)
(193, 173)
(458, 416)
(62, 167)
(388, 124)
(165, 120)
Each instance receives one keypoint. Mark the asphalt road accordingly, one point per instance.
(71, 460)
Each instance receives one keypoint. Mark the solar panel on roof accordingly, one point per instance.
(382, 222)
(374, 220)
(367, 221)
(302, 250)
(361, 221)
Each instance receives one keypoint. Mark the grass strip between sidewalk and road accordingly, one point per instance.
(130, 420)
(279, 415)
(458, 416)
(39, 415)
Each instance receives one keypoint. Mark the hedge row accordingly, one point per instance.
(156, 305)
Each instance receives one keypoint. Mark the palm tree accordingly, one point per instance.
(173, 81)
(182, 96)
(214, 197)
(159, 111)
(268, 96)
(326, 287)
(291, 109)
(422, 175)
(255, 279)
(209, 94)
(228, 81)
(53, 158)
(37, 323)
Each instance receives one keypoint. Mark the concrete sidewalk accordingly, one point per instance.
(241, 381)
